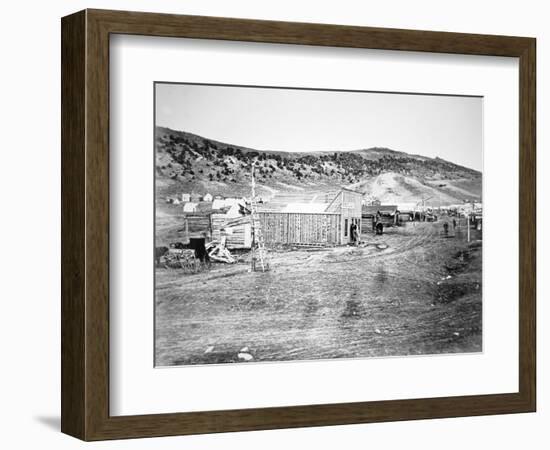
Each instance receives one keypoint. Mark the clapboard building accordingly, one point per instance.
(325, 222)
(347, 203)
(300, 228)
(320, 219)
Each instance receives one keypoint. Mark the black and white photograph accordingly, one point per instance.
(271, 225)
(296, 224)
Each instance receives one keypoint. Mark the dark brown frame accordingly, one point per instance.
(85, 224)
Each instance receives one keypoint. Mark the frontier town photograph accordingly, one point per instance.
(302, 224)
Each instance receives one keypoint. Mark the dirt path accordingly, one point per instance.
(420, 295)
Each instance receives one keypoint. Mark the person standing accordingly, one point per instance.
(353, 233)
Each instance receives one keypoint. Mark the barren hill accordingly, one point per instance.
(187, 162)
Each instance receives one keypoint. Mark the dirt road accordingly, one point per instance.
(413, 290)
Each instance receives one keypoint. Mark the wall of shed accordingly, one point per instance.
(238, 233)
(238, 236)
(217, 222)
(299, 228)
(367, 224)
(198, 225)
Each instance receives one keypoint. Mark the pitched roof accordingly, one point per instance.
(305, 208)
(383, 209)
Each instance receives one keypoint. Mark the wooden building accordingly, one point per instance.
(197, 225)
(406, 212)
(238, 233)
(237, 230)
(348, 204)
(326, 223)
(301, 228)
(405, 216)
(388, 215)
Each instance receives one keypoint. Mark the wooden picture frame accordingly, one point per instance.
(85, 224)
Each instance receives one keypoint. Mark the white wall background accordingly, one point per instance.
(30, 220)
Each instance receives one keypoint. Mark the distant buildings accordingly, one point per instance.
(218, 203)
(190, 207)
(372, 215)
(195, 197)
(302, 218)
(295, 220)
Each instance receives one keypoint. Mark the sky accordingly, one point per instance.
(449, 127)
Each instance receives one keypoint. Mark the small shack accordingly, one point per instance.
(405, 216)
(196, 226)
(406, 212)
(387, 215)
(238, 232)
(232, 222)
(207, 197)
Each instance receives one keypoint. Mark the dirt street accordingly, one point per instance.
(413, 290)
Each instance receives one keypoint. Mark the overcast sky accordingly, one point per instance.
(314, 120)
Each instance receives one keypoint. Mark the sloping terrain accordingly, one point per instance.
(394, 188)
(186, 162)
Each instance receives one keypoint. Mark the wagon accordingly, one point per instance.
(176, 258)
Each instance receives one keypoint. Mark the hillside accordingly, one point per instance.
(186, 162)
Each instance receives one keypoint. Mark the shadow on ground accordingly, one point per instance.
(51, 422)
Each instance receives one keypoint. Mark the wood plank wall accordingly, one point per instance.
(300, 228)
